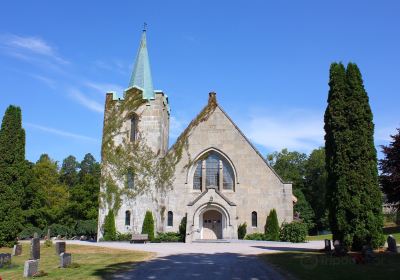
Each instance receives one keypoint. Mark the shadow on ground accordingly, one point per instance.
(194, 266)
(287, 249)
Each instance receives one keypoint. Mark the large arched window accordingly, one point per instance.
(213, 170)
(254, 219)
(170, 219)
(128, 218)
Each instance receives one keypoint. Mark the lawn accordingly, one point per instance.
(315, 265)
(95, 262)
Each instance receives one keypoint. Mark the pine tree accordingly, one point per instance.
(13, 175)
(272, 226)
(353, 196)
(390, 167)
(148, 225)
(110, 233)
(68, 172)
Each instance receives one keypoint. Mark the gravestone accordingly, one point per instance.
(17, 250)
(392, 246)
(339, 249)
(35, 235)
(35, 249)
(368, 254)
(65, 260)
(328, 247)
(60, 247)
(31, 267)
(5, 259)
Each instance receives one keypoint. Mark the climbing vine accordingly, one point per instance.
(152, 173)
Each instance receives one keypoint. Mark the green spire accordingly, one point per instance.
(141, 75)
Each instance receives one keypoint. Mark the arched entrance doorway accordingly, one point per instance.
(212, 225)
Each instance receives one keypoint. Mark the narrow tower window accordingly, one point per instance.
(128, 218)
(130, 180)
(170, 219)
(133, 129)
(254, 219)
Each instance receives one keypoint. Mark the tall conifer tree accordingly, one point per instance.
(13, 175)
(353, 196)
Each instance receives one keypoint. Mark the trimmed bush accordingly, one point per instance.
(110, 233)
(242, 230)
(295, 232)
(28, 233)
(167, 237)
(182, 229)
(255, 236)
(272, 226)
(148, 225)
(123, 236)
(62, 230)
(87, 228)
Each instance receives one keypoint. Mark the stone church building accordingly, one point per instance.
(220, 181)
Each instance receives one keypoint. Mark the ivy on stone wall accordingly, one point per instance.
(148, 168)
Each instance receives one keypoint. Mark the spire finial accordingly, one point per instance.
(144, 27)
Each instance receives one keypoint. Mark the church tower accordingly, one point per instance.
(151, 121)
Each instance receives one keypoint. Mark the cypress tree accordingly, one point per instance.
(148, 225)
(110, 233)
(13, 175)
(272, 226)
(365, 211)
(353, 196)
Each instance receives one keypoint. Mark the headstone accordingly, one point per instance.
(48, 234)
(35, 249)
(328, 247)
(31, 267)
(339, 249)
(5, 259)
(60, 247)
(35, 235)
(65, 260)
(368, 254)
(17, 250)
(392, 246)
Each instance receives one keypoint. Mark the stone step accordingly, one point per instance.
(211, 241)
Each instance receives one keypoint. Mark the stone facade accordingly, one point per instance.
(256, 186)
(219, 179)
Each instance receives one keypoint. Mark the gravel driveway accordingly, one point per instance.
(236, 260)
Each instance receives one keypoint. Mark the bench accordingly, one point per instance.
(140, 238)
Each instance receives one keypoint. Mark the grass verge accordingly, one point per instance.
(93, 262)
(316, 265)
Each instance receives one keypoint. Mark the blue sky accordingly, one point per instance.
(268, 61)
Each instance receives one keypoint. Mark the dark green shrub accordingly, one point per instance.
(255, 236)
(294, 232)
(123, 236)
(62, 230)
(272, 226)
(242, 230)
(182, 229)
(110, 233)
(28, 233)
(168, 237)
(87, 228)
(148, 225)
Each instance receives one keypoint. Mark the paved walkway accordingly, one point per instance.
(236, 260)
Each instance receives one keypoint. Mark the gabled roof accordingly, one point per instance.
(207, 110)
